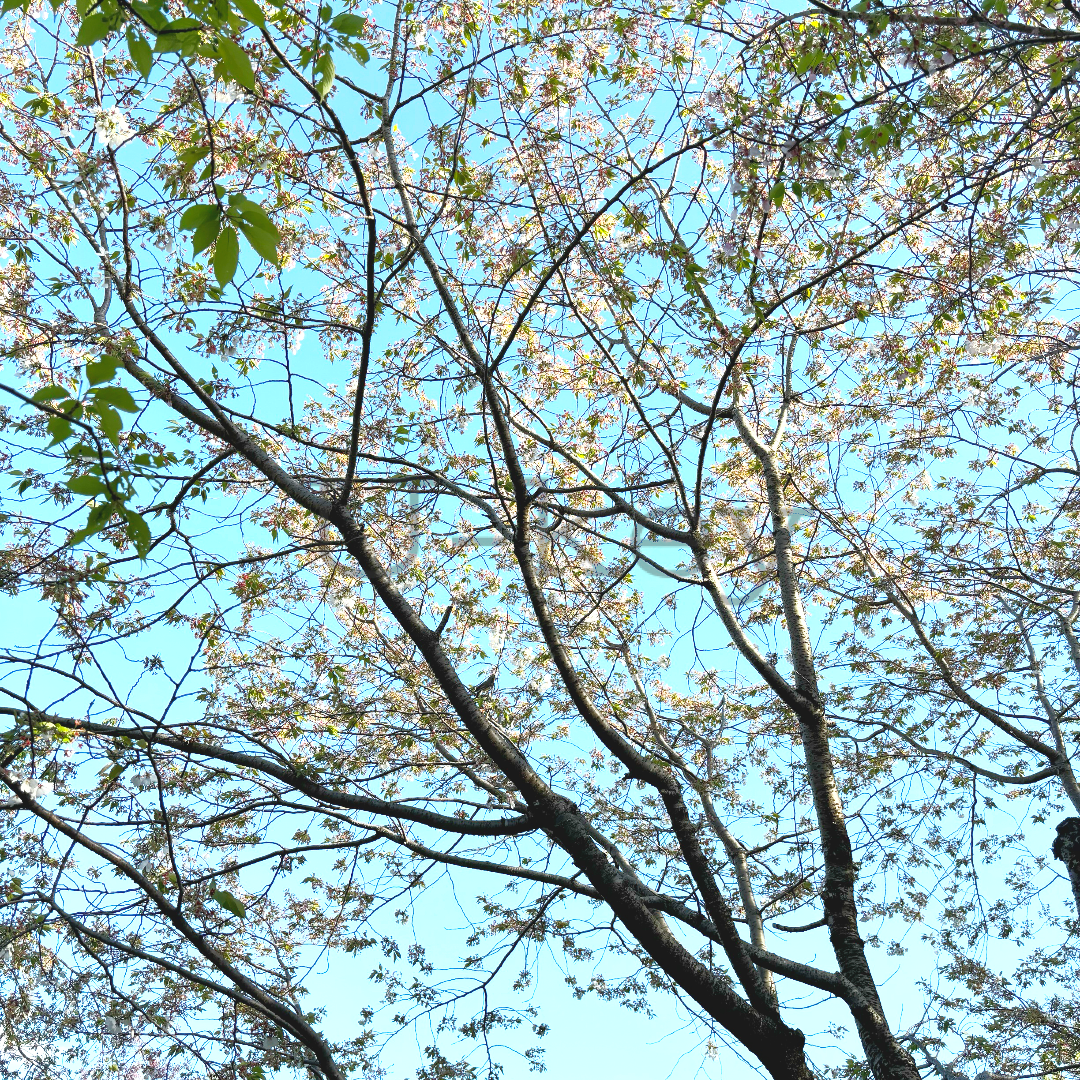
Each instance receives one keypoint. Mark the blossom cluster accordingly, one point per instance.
(30, 787)
(112, 128)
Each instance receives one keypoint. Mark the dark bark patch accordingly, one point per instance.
(1067, 849)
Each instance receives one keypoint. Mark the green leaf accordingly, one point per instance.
(264, 243)
(138, 532)
(349, 25)
(324, 75)
(237, 63)
(226, 255)
(110, 423)
(102, 370)
(254, 215)
(96, 520)
(190, 157)
(50, 393)
(152, 16)
(117, 769)
(142, 56)
(99, 517)
(777, 193)
(116, 396)
(251, 11)
(59, 429)
(179, 36)
(194, 216)
(87, 485)
(229, 902)
(206, 233)
(94, 28)
(811, 58)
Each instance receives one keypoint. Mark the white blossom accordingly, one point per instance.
(30, 787)
(228, 95)
(112, 128)
(921, 482)
(541, 684)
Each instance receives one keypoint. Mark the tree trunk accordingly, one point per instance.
(1067, 849)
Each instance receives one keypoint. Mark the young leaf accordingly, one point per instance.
(229, 902)
(142, 56)
(59, 429)
(324, 75)
(251, 11)
(50, 393)
(110, 422)
(191, 157)
(86, 485)
(116, 396)
(206, 233)
(226, 255)
(254, 215)
(349, 25)
(138, 532)
(151, 15)
(179, 36)
(101, 370)
(236, 62)
(264, 243)
(194, 216)
(94, 28)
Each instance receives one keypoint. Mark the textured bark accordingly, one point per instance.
(888, 1060)
(777, 1046)
(1067, 849)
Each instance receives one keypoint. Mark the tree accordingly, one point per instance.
(667, 527)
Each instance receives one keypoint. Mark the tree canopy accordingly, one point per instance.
(619, 460)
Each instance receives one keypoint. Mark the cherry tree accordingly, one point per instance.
(617, 460)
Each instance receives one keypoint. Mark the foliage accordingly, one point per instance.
(666, 528)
